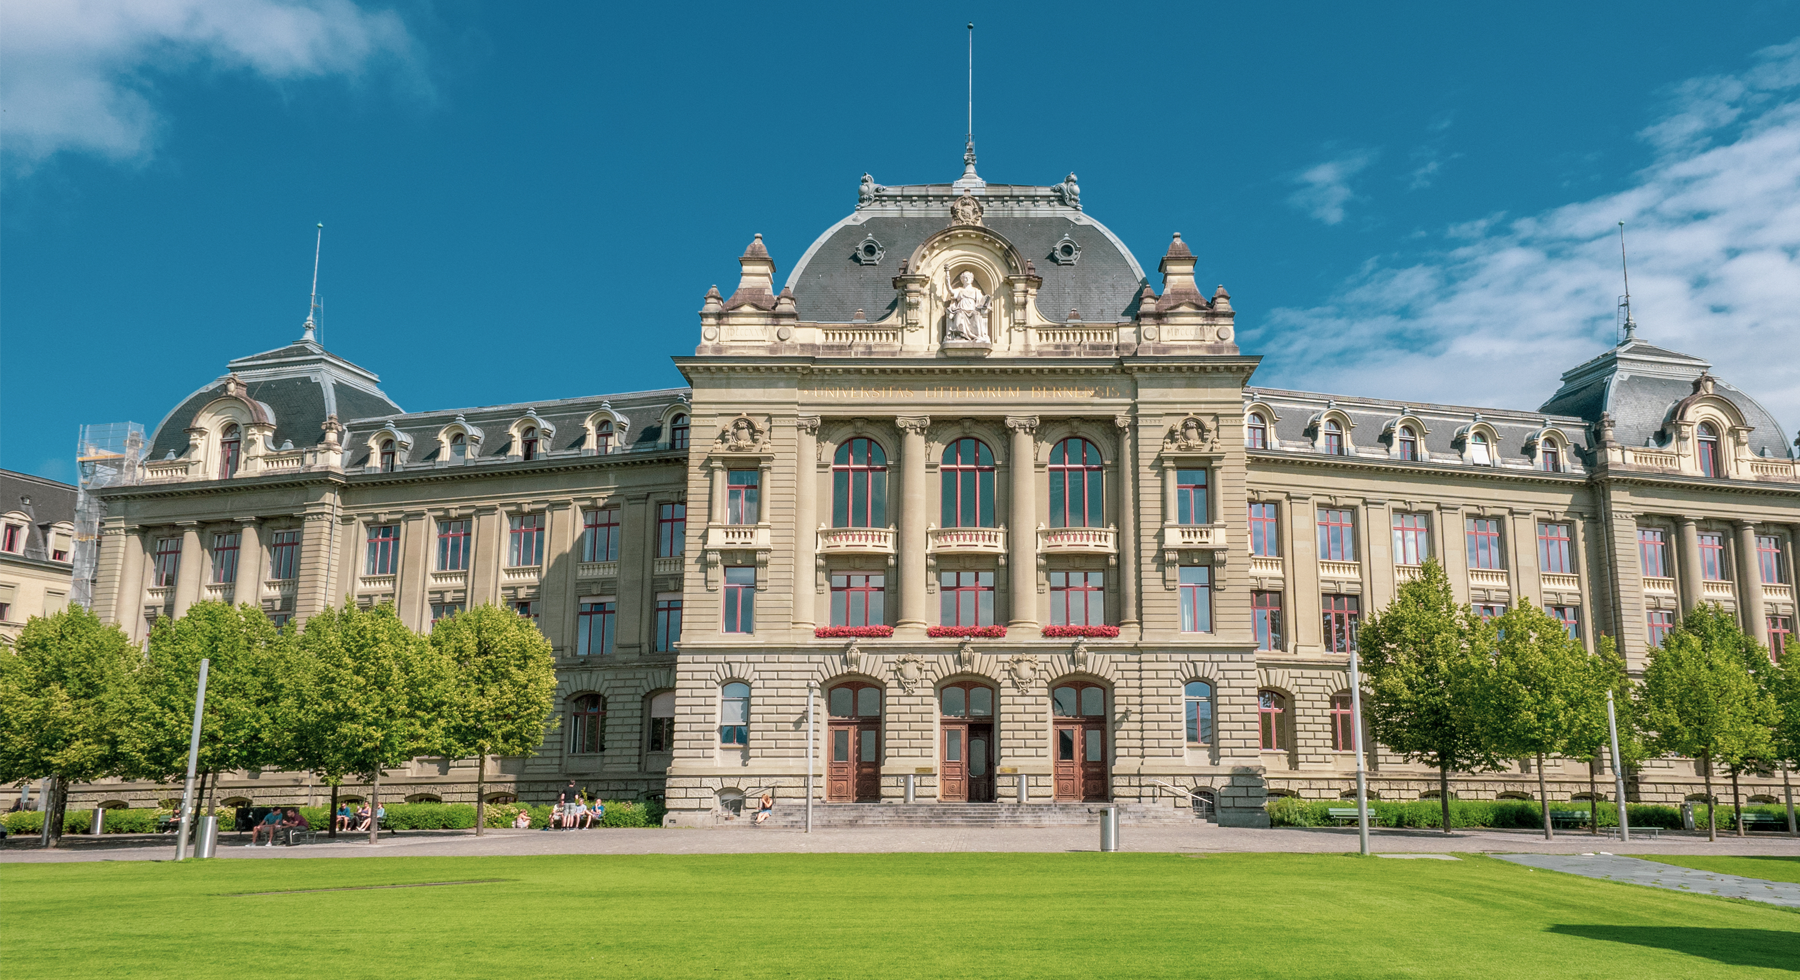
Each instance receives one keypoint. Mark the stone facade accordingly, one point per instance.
(1079, 441)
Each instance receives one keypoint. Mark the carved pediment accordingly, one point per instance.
(1192, 434)
(743, 435)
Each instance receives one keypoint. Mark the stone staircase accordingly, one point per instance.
(791, 814)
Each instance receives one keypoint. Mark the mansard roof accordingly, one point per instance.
(45, 502)
(643, 410)
(1296, 411)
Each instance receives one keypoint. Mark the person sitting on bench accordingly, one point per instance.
(291, 822)
(361, 820)
(270, 823)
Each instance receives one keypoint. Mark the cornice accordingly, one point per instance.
(1321, 460)
(1698, 483)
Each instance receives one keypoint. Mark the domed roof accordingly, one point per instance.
(852, 266)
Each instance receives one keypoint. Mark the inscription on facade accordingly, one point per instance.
(958, 392)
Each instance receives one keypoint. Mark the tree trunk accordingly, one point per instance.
(212, 790)
(1788, 787)
(481, 793)
(1593, 796)
(198, 808)
(1444, 794)
(332, 834)
(1737, 803)
(1712, 822)
(1544, 798)
(56, 800)
(375, 807)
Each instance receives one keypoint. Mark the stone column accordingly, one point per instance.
(128, 607)
(317, 587)
(913, 497)
(1521, 541)
(1022, 532)
(490, 541)
(1129, 534)
(411, 573)
(637, 574)
(1453, 532)
(806, 520)
(716, 512)
(1687, 581)
(1750, 590)
(557, 577)
(248, 585)
(193, 567)
(1170, 488)
(1302, 579)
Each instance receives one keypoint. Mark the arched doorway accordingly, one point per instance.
(966, 745)
(853, 756)
(1080, 735)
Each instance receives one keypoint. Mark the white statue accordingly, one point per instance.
(966, 317)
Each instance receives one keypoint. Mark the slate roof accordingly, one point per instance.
(1372, 416)
(46, 501)
(643, 409)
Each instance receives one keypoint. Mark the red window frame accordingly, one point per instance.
(1485, 550)
(966, 484)
(600, 534)
(384, 549)
(1661, 622)
(1271, 712)
(527, 546)
(740, 599)
(1549, 458)
(1340, 616)
(743, 496)
(15, 539)
(528, 443)
(1256, 432)
(1490, 610)
(587, 725)
(668, 623)
(858, 599)
(1706, 439)
(1191, 502)
(387, 455)
(1712, 556)
(1077, 484)
(1653, 552)
(284, 555)
(1198, 708)
(671, 530)
(678, 431)
(1407, 441)
(595, 627)
(1412, 538)
(1781, 637)
(859, 484)
(1265, 530)
(231, 446)
(167, 567)
(225, 556)
(1570, 617)
(1077, 598)
(1337, 534)
(603, 438)
(1768, 559)
(527, 608)
(1196, 598)
(453, 546)
(1266, 616)
(1343, 734)
(444, 610)
(966, 598)
(1554, 548)
(1334, 438)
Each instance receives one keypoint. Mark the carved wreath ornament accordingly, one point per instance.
(1024, 670)
(909, 670)
(1190, 434)
(743, 435)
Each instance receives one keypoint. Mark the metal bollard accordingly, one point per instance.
(97, 825)
(1109, 828)
(209, 836)
(912, 786)
(1024, 789)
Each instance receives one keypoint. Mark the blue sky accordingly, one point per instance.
(528, 201)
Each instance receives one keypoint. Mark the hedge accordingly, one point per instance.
(619, 813)
(137, 821)
(1289, 811)
(400, 816)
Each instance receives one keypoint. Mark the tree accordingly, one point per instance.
(1416, 656)
(1594, 739)
(1784, 686)
(67, 693)
(381, 691)
(503, 686)
(1699, 699)
(1539, 694)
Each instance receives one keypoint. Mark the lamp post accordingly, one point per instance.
(1356, 742)
(187, 792)
(810, 690)
(1612, 725)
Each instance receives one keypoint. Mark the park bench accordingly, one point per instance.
(1568, 818)
(1764, 821)
(1654, 833)
(1346, 814)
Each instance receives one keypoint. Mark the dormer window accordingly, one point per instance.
(603, 438)
(1334, 438)
(459, 447)
(528, 443)
(1256, 432)
(1478, 450)
(387, 455)
(1550, 457)
(14, 541)
(678, 431)
(231, 443)
(1407, 442)
(1707, 441)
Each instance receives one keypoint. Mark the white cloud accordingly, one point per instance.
(1325, 188)
(75, 75)
(1714, 232)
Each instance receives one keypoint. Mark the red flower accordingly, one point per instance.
(867, 632)
(1064, 632)
(957, 632)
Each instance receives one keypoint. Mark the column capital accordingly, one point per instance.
(913, 424)
(808, 424)
(1022, 424)
(1124, 423)
(1687, 522)
(249, 521)
(1743, 525)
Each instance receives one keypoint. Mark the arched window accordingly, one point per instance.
(1708, 439)
(734, 714)
(967, 699)
(1478, 450)
(603, 438)
(1079, 701)
(1199, 698)
(660, 737)
(231, 443)
(859, 485)
(678, 431)
(387, 455)
(459, 447)
(1408, 443)
(967, 478)
(1549, 456)
(587, 725)
(856, 699)
(1272, 711)
(1077, 484)
(1256, 432)
(528, 443)
(1334, 438)
(1343, 732)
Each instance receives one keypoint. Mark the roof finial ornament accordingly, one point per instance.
(1625, 301)
(970, 180)
(314, 327)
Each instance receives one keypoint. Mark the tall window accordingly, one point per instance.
(678, 431)
(594, 631)
(1265, 612)
(1339, 615)
(668, 621)
(661, 736)
(387, 455)
(453, 546)
(1343, 724)
(528, 443)
(858, 599)
(527, 609)
(740, 599)
(1570, 617)
(1256, 432)
(284, 555)
(1337, 535)
(459, 447)
(966, 598)
(1479, 453)
(15, 539)
(600, 534)
(1190, 497)
(587, 725)
(1554, 549)
(1768, 559)
(1781, 637)
(1707, 439)
(1077, 598)
(1407, 442)
(61, 543)
(671, 530)
(1490, 610)
(967, 481)
(1661, 622)
(1199, 711)
(1077, 484)
(225, 558)
(1334, 437)
(1265, 530)
(742, 498)
(859, 485)
(1412, 539)
(1549, 456)
(1271, 710)
(168, 561)
(1196, 598)
(734, 714)
(231, 443)
(527, 547)
(1484, 543)
(444, 610)
(1712, 556)
(1653, 552)
(603, 438)
(384, 549)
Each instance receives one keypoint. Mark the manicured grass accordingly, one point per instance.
(1767, 868)
(875, 916)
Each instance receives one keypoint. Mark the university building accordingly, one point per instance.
(967, 406)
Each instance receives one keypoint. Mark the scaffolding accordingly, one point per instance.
(106, 455)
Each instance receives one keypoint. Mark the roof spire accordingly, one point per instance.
(313, 305)
(970, 180)
(1625, 301)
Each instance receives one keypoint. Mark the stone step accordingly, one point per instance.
(899, 815)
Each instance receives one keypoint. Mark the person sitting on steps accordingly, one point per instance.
(764, 807)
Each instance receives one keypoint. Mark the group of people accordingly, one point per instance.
(276, 825)
(573, 809)
(359, 818)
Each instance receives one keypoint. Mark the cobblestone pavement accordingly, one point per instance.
(1199, 838)
(1640, 872)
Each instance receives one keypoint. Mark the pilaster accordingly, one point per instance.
(913, 496)
(1022, 535)
(247, 589)
(1750, 590)
(193, 567)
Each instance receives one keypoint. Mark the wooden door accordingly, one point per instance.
(1068, 766)
(1093, 763)
(868, 762)
(853, 745)
(953, 766)
(1078, 735)
(840, 769)
(981, 763)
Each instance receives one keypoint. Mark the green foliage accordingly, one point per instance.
(121, 821)
(238, 729)
(67, 692)
(1699, 698)
(1519, 814)
(503, 684)
(371, 691)
(618, 814)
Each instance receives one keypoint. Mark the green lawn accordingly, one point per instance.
(1767, 868)
(902, 915)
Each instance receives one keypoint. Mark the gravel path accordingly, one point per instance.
(1637, 871)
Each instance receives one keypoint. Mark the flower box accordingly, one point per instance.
(846, 632)
(958, 632)
(1066, 632)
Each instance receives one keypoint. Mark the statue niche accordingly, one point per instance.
(965, 311)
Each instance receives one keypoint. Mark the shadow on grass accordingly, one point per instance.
(1738, 947)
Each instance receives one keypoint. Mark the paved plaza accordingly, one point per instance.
(1637, 871)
